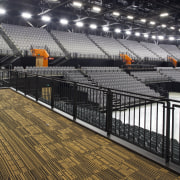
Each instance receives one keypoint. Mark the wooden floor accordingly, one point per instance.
(36, 143)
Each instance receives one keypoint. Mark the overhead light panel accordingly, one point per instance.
(77, 4)
(117, 30)
(130, 17)
(64, 21)
(2, 11)
(96, 9)
(26, 15)
(128, 32)
(79, 24)
(164, 14)
(153, 37)
(161, 37)
(146, 35)
(46, 18)
(172, 28)
(116, 14)
(137, 34)
(143, 20)
(152, 22)
(105, 29)
(93, 26)
(171, 38)
(163, 26)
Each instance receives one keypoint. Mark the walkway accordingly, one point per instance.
(36, 143)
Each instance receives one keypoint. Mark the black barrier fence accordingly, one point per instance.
(151, 123)
(4, 78)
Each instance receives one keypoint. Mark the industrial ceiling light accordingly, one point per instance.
(161, 37)
(2, 11)
(153, 37)
(93, 26)
(171, 38)
(96, 9)
(105, 29)
(164, 15)
(143, 20)
(163, 26)
(117, 30)
(116, 14)
(77, 4)
(64, 21)
(128, 32)
(26, 15)
(172, 28)
(46, 18)
(130, 17)
(152, 22)
(146, 35)
(79, 24)
(137, 34)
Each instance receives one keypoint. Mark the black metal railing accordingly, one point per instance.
(148, 122)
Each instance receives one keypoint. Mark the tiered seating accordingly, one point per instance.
(76, 76)
(26, 37)
(138, 49)
(79, 45)
(174, 74)
(110, 45)
(157, 50)
(117, 79)
(172, 49)
(4, 48)
(150, 76)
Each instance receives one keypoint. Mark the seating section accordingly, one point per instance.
(174, 74)
(110, 45)
(150, 76)
(26, 37)
(4, 47)
(172, 50)
(116, 78)
(79, 45)
(138, 49)
(157, 50)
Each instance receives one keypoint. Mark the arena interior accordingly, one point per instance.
(90, 89)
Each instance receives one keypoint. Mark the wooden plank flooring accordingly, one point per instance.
(36, 143)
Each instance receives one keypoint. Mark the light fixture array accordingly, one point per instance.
(97, 9)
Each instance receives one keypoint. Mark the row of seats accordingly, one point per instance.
(150, 76)
(83, 46)
(46, 71)
(173, 74)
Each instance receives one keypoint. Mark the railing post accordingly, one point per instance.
(36, 95)
(9, 74)
(52, 95)
(74, 101)
(168, 132)
(109, 112)
(16, 81)
(25, 84)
